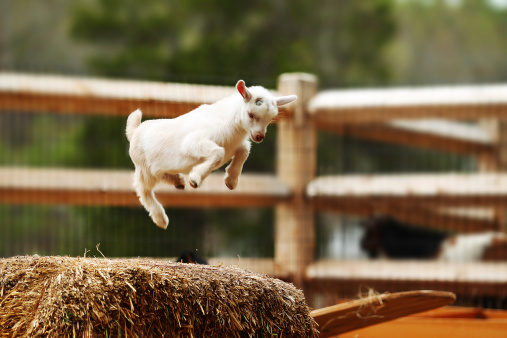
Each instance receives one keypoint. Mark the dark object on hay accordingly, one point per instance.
(90, 297)
(190, 257)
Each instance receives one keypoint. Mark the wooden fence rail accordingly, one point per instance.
(78, 95)
(114, 188)
(384, 105)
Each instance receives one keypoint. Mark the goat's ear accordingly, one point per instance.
(281, 100)
(243, 90)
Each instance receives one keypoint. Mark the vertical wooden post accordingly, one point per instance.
(498, 129)
(296, 163)
(489, 162)
(501, 144)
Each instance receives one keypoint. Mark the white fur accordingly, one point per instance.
(467, 247)
(198, 142)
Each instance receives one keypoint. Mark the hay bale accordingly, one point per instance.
(90, 297)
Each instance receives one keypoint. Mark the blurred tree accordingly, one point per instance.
(210, 42)
(33, 37)
(441, 42)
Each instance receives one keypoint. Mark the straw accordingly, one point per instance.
(96, 297)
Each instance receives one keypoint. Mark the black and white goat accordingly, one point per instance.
(389, 238)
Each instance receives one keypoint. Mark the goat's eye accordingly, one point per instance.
(250, 115)
(258, 102)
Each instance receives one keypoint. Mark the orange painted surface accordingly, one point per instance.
(446, 322)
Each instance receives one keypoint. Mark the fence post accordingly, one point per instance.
(296, 163)
(497, 128)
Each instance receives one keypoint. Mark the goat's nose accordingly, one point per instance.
(259, 137)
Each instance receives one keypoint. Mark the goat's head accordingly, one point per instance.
(260, 109)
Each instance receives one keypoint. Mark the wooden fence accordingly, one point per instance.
(432, 118)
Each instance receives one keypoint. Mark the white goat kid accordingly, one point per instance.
(198, 142)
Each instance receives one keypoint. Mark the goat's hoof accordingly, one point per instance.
(193, 183)
(162, 221)
(195, 180)
(231, 184)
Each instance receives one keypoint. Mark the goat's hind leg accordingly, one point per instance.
(144, 185)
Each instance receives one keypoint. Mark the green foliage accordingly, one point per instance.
(129, 232)
(34, 37)
(214, 43)
(48, 140)
(39, 140)
(103, 143)
(439, 43)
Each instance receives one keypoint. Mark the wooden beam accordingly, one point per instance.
(376, 309)
(419, 270)
(114, 188)
(79, 95)
(382, 105)
(346, 276)
(443, 135)
(405, 191)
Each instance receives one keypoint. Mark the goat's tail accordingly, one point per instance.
(133, 121)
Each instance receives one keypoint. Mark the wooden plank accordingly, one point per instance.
(442, 135)
(377, 309)
(114, 188)
(382, 105)
(65, 94)
(425, 327)
(406, 190)
(419, 270)
(336, 288)
(344, 277)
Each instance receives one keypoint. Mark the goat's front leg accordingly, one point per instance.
(209, 154)
(233, 170)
